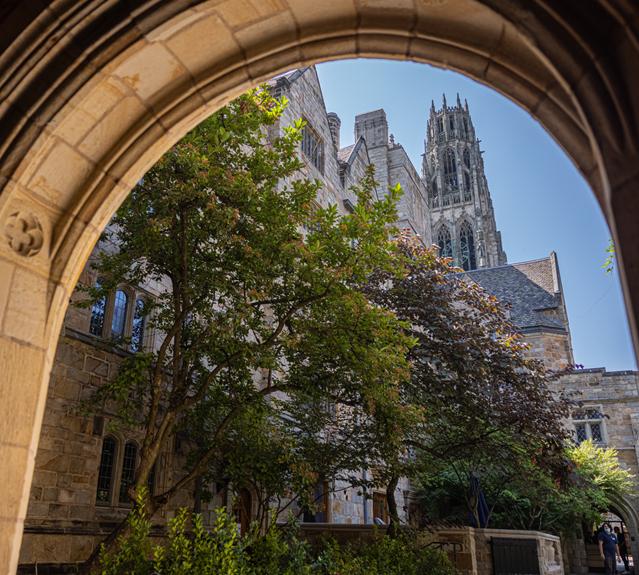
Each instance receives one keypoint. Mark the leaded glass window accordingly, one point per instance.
(137, 329)
(98, 311)
(467, 258)
(444, 241)
(120, 305)
(313, 147)
(128, 470)
(105, 472)
(589, 424)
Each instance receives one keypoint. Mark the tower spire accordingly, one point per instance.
(462, 219)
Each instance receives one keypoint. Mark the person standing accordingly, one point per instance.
(609, 549)
(623, 547)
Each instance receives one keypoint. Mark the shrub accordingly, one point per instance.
(190, 549)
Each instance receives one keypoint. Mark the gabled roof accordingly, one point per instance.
(532, 289)
(349, 153)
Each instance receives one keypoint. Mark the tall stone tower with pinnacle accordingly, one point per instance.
(462, 220)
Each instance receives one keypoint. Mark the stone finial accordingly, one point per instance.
(392, 139)
(444, 100)
(466, 104)
(458, 101)
(432, 106)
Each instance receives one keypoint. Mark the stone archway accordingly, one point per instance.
(93, 92)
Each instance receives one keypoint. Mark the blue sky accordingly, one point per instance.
(541, 202)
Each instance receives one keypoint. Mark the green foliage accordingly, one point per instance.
(261, 311)
(385, 556)
(524, 495)
(609, 262)
(219, 550)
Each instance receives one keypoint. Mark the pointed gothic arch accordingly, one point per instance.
(466, 157)
(467, 256)
(71, 101)
(445, 242)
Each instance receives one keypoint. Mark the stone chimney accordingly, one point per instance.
(334, 124)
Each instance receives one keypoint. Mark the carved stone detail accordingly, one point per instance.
(24, 233)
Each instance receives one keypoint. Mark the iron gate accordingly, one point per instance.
(515, 556)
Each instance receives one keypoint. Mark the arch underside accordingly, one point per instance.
(92, 93)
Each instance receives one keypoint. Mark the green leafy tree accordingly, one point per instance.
(261, 309)
(524, 495)
(472, 390)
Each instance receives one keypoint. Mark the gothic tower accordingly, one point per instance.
(462, 220)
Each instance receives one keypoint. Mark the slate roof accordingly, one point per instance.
(531, 288)
(345, 153)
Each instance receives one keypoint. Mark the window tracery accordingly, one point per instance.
(444, 241)
(467, 258)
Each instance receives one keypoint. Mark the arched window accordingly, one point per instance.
(466, 158)
(451, 124)
(137, 329)
(128, 470)
(450, 169)
(434, 193)
(467, 258)
(440, 125)
(120, 304)
(105, 473)
(98, 310)
(466, 131)
(445, 243)
(468, 194)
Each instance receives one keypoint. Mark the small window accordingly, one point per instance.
(120, 305)
(137, 329)
(313, 147)
(589, 424)
(98, 311)
(467, 158)
(128, 470)
(105, 473)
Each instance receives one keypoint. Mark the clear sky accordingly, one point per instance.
(541, 202)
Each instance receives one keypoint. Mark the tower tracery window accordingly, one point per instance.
(434, 193)
(466, 131)
(467, 258)
(445, 243)
(451, 124)
(468, 194)
(466, 158)
(450, 169)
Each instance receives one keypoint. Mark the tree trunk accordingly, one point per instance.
(393, 525)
